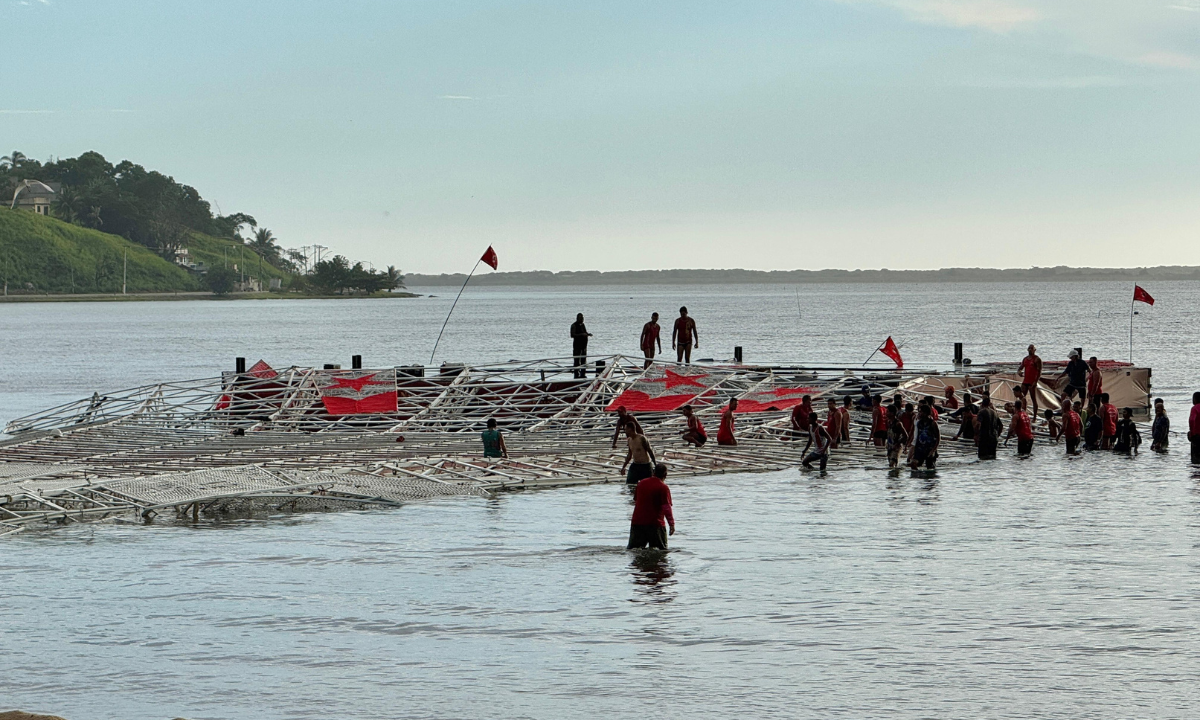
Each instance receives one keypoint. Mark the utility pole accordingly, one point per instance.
(125, 271)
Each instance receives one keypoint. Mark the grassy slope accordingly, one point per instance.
(59, 257)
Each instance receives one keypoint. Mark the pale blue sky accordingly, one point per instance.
(614, 135)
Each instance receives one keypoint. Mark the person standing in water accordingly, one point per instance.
(624, 416)
(897, 440)
(1022, 428)
(684, 337)
(819, 440)
(1128, 437)
(652, 512)
(990, 428)
(640, 453)
(579, 343)
(1160, 432)
(725, 431)
(833, 422)
(1194, 428)
(1072, 427)
(1031, 373)
(929, 437)
(1108, 413)
(493, 441)
(650, 335)
(844, 418)
(879, 417)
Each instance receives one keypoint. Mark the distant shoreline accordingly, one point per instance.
(191, 295)
(792, 277)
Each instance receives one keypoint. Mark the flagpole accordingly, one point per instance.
(1131, 302)
(871, 355)
(460, 292)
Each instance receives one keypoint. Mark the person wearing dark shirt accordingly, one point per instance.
(925, 449)
(1076, 374)
(1128, 437)
(1194, 428)
(579, 343)
(1160, 432)
(966, 419)
(652, 512)
(1093, 427)
(990, 428)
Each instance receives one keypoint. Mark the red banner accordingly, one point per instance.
(359, 393)
(773, 400)
(664, 389)
(490, 258)
(1140, 295)
(889, 348)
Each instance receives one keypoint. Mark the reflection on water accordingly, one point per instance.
(652, 575)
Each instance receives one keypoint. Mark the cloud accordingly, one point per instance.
(995, 15)
(1065, 83)
(1188, 5)
(455, 97)
(27, 112)
(1162, 59)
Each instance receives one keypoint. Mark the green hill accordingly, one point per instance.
(52, 256)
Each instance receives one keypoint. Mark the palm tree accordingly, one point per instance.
(67, 205)
(13, 160)
(263, 243)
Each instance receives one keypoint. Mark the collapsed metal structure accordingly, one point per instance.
(309, 439)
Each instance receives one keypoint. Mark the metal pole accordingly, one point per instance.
(1131, 302)
(460, 292)
(125, 272)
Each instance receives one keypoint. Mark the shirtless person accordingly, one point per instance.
(624, 416)
(1031, 372)
(640, 453)
(650, 335)
(684, 337)
(800, 415)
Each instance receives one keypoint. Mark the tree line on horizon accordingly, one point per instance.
(153, 210)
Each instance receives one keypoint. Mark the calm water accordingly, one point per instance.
(1041, 587)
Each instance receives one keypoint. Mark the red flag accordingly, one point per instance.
(490, 258)
(889, 348)
(1140, 295)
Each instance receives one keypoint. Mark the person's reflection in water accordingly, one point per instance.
(652, 576)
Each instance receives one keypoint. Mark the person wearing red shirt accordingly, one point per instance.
(695, 434)
(833, 422)
(908, 420)
(1108, 413)
(951, 402)
(652, 512)
(1022, 428)
(1072, 427)
(878, 422)
(1194, 428)
(800, 415)
(725, 431)
(1031, 372)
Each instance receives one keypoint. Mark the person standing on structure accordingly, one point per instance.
(1031, 373)
(493, 441)
(579, 343)
(650, 336)
(1095, 380)
(652, 512)
(1076, 374)
(725, 430)
(684, 337)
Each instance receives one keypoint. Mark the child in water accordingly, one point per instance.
(1160, 432)
(1053, 426)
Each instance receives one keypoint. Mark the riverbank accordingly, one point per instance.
(134, 297)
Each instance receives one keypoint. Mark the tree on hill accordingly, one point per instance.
(13, 159)
(263, 243)
(220, 280)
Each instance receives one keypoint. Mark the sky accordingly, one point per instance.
(632, 135)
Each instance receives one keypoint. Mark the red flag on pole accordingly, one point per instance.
(889, 348)
(490, 258)
(1140, 295)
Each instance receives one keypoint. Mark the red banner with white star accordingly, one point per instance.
(662, 389)
(358, 393)
(773, 399)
